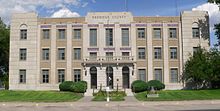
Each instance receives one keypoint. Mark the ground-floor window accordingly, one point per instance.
(61, 75)
(22, 76)
(173, 75)
(142, 74)
(158, 74)
(77, 75)
(45, 76)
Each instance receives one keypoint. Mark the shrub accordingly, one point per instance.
(79, 87)
(139, 86)
(156, 84)
(66, 85)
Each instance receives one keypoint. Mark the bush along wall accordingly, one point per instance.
(77, 87)
(157, 85)
(139, 86)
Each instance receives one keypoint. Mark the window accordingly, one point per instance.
(157, 33)
(142, 74)
(109, 37)
(45, 76)
(141, 32)
(77, 33)
(125, 55)
(195, 49)
(46, 33)
(125, 36)
(172, 33)
(195, 32)
(45, 54)
(62, 33)
(61, 53)
(61, 75)
(23, 54)
(141, 53)
(173, 75)
(109, 56)
(23, 34)
(173, 53)
(77, 75)
(158, 74)
(77, 53)
(93, 37)
(22, 76)
(157, 53)
(93, 55)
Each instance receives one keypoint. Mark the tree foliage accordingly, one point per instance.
(202, 70)
(214, 1)
(4, 49)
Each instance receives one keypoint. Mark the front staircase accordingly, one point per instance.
(89, 92)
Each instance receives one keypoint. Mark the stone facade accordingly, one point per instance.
(118, 62)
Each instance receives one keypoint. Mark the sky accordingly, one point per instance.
(76, 8)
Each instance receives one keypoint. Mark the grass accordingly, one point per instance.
(179, 95)
(114, 96)
(38, 96)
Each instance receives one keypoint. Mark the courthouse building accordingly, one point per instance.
(103, 48)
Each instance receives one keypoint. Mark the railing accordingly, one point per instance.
(109, 59)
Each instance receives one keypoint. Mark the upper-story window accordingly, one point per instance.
(109, 56)
(109, 37)
(141, 33)
(45, 54)
(125, 55)
(93, 55)
(93, 37)
(61, 33)
(61, 53)
(23, 54)
(141, 53)
(125, 36)
(77, 53)
(157, 53)
(173, 53)
(23, 33)
(46, 33)
(77, 33)
(157, 33)
(172, 32)
(195, 30)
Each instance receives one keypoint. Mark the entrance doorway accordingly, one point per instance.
(125, 77)
(109, 77)
(93, 81)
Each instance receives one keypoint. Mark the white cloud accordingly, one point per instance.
(16, 6)
(93, 1)
(64, 12)
(214, 13)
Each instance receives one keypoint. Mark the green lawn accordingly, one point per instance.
(114, 96)
(178, 95)
(38, 96)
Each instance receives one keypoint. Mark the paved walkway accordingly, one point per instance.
(86, 99)
(130, 99)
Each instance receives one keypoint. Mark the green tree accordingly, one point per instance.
(4, 49)
(196, 70)
(214, 77)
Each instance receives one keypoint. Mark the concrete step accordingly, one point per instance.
(129, 92)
